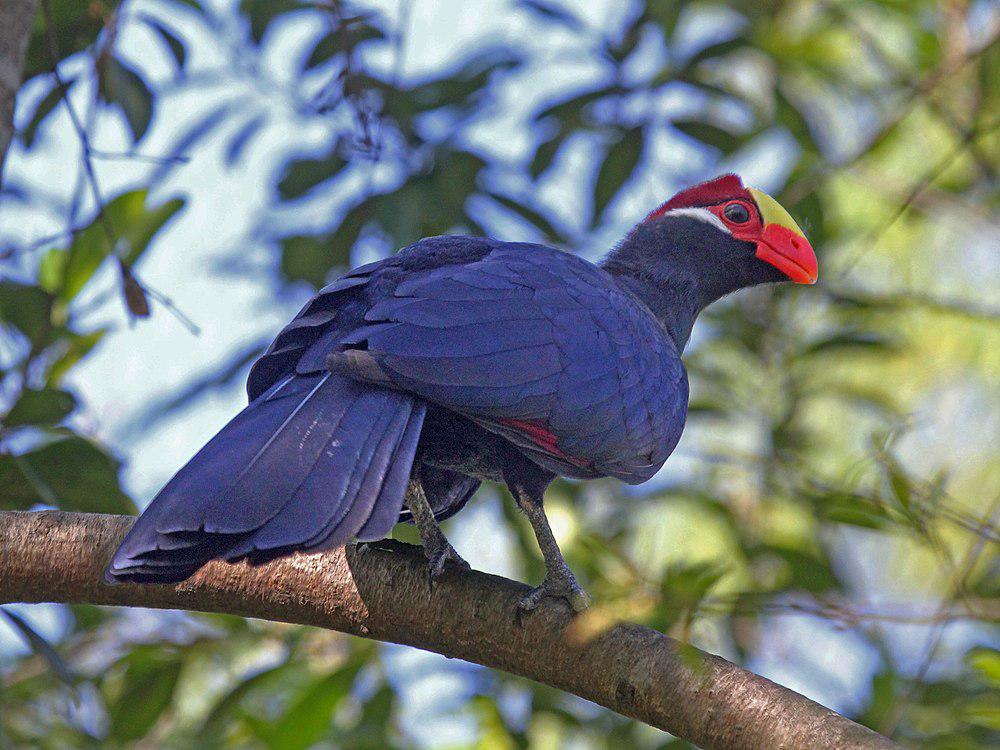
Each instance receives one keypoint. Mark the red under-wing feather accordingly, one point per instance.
(541, 436)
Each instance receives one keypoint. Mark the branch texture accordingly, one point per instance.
(16, 20)
(380, 591)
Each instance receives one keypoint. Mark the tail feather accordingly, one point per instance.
(259, 442)
(311, 518)
(385, 514)
(310, 464)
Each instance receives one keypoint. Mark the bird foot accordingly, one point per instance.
(561, 587)
(438, 557)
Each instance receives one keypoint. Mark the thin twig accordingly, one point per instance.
(88, 154)
(81, 132)
(912, 96)
(169, 304)
(926, 180)
(846, 612)
(41, 243)
(968, 309)
(902, 77)
(405, 14)
(135, 156)
(956, 591)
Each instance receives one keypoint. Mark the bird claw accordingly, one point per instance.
(438, 558)
(565, 588)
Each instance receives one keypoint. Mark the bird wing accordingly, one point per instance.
(329, 310)
(537, 345)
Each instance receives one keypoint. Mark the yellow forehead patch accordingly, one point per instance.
(772, 212)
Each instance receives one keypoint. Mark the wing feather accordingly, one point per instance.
(532, 333)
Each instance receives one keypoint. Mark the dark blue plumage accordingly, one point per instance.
(457, 360)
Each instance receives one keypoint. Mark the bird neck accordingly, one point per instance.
(673, 305)
(669, 265)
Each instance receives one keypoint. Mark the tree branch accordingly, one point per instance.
(16, 20)
(380, 591)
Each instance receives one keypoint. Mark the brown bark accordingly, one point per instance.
(380, 591)
(16, 20)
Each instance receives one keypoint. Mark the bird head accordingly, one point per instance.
(750, 234)
(705, 242)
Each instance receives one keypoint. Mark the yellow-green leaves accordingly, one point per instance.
(126, 229)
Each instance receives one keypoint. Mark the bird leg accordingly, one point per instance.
(437, 548)
(559, 579)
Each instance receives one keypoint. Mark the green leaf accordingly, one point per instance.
(530, 215)
(343, 38)
(983, 711)
(310, 715)
(545, 154)
(570, 112)
(719, 49)
(301, 176)
(136, 224)
(74, 348)
(619, 164)
(131, 226)
(466, 87)
(855, 510)
(710, 135)
(805, 570)
(173, 42)
(373, 731)
(242, 137)
(75, 27)
(71, 474)
(28, 309)
(44, 108)
(120, 85)
(431, 202)
(327, 45)
(37, 643)
(312, 257)
(42, 408)
(147, 691)
(708, 407)
(986, 661)
(664, 13)
(809, 213)
(853, 342)
(75, 267)
(683, 588)
(899, 483)
(550, 13)
(260, 14)
(270, 681)
(787, 113)
(884, 695)
(618, 47)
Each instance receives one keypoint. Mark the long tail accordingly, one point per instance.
(312, 463)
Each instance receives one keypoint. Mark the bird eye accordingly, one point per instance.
(737, 213)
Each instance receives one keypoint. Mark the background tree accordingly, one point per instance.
(830, 516)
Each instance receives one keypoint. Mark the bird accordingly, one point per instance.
(405, 383)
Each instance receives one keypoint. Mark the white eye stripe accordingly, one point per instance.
(702, 214)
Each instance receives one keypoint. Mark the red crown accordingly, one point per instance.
(710, 193)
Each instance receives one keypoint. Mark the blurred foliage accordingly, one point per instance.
(808, 486)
